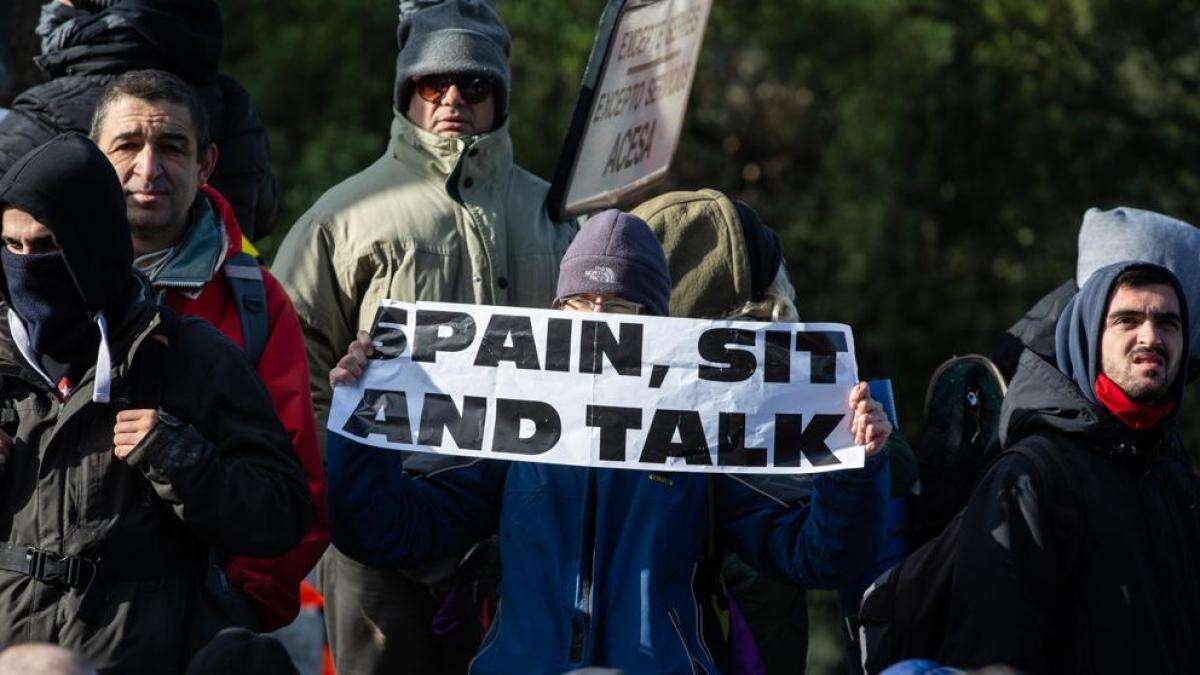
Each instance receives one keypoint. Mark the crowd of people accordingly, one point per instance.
(171, 501)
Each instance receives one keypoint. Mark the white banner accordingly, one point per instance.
(605, 390)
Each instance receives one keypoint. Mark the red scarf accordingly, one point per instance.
(1136, 416)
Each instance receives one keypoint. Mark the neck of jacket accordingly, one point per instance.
(484, 158)
(1042, 399)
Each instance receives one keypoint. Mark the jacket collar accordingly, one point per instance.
(489, 156)
(1041, 398)
(213, 237)
(137, 321)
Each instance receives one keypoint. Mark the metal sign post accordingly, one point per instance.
(631, 106)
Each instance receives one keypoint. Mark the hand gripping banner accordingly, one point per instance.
(605, 390)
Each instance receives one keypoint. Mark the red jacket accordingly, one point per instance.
(272, 585)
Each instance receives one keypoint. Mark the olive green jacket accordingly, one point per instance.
(436, 219)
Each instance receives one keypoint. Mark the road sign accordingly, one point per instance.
(631, 107)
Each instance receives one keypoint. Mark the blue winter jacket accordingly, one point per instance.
(600, 565)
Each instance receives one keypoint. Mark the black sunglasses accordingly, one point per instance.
(473, 88)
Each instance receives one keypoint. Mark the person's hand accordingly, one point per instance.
(132, 426)
(870, 424)
(350, 367)
(6, 445)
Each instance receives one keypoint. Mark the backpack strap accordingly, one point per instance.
(250, 297)
(1067, 515)
(1050, 465)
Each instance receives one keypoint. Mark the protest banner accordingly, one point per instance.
(629, 114)
(605, 390)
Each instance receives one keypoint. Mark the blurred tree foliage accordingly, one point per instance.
(927, 161)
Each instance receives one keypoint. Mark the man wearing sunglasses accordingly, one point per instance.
(443, 215)
(453, 105)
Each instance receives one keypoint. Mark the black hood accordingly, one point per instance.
(1035, 330)
(1043, 396)
(184, 37)
(70, 187)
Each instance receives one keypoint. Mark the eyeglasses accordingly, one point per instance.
(473, 88)
(582, 303)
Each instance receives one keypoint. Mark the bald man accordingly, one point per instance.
(42, 659)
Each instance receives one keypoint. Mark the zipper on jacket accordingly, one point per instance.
(674, 617)
(581, 622)
(699, 615)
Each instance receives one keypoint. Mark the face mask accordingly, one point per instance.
(45, 297)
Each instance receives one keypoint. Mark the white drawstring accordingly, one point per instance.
(103, 386)
(21, 338)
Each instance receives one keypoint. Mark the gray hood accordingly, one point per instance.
(1125, 233)
(1058, 396)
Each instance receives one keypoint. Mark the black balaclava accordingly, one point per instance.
(44, 295)
(69, 187)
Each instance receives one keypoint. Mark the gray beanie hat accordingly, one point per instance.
(617, 253)
(452, 37)
(1125, 233)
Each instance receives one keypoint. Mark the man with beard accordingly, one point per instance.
(1107, 237)
(134, 440)
(1084, 560)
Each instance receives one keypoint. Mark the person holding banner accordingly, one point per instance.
(600, 565)
(444, 215)
(726, 263)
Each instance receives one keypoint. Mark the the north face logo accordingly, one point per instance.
(601, 274)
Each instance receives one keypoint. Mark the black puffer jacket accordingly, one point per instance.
(83, 51)
(1094, 571)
